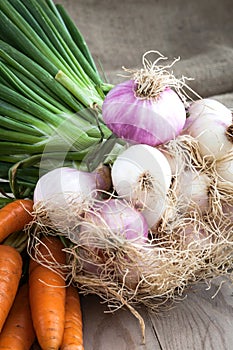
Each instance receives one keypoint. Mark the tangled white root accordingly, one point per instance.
(154, 78)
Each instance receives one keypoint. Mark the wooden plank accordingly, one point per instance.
(199, 322)
(119, 330)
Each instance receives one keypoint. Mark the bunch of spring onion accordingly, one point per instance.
(51, 93)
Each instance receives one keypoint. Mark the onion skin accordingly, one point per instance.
(193, 190)
(210, 132)
(143, 120)
(200, 108)
(103, 178)
(68, 182)
(195, 239)
(61, 183)
(113, 217)
(224, 169)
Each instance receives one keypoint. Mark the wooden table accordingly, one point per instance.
(202, 321)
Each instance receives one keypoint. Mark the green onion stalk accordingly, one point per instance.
(51, 96)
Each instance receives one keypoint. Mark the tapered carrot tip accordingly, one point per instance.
(73, 331)
(18, 332)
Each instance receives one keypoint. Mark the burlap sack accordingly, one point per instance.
(200, 32)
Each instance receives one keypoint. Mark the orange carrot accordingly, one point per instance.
(14, 216)
(18, 332)
(47, 295)
(10, 274)
(73, 332)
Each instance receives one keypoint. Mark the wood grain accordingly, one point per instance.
(199, 322)
(119, 330)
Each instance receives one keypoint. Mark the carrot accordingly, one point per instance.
(73, 332)
(18, 332)
(10, 273)
(14, 216)
(47, 295)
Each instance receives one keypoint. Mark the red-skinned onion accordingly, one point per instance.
(150, 121)
(113, 218)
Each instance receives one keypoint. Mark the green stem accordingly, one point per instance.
(53, 7)
(14, 125)
(12, 33)
(78, 39)
(28, 106)
(22, 116)
(50, 25)
(24, 89)
(28, 90)
(20, 148)
(4, 201)
(17, 240)
(87, 96)
(15, 136)
(37, 73)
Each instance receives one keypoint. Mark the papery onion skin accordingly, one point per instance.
(208, 106)
(64, 182)
(208, 122)
(224, 169)
(193, 190)
(143, 120)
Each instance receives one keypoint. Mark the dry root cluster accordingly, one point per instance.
(187, 246)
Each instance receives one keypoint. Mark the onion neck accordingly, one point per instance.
(229, 133)
(145, 181)
(149, 85)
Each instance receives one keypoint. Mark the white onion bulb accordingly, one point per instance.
(192, 191)
(141, 174)
(63, 184)
(62, 195)
(209, 122)
(224, 169)
(209, 106)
